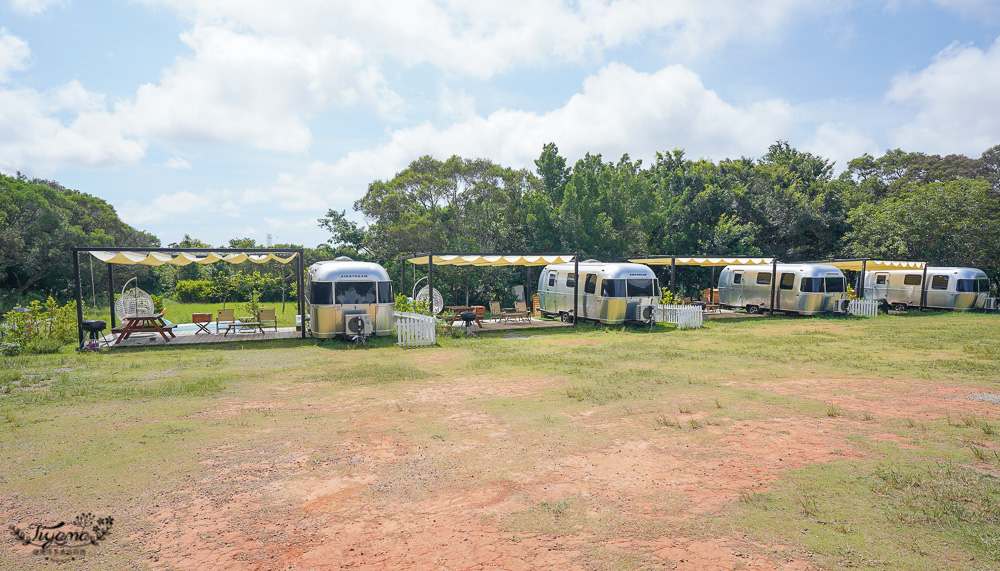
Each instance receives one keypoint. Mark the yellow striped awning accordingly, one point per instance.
(870, 265)
(703, 262)
(491, 260)
(185, 258)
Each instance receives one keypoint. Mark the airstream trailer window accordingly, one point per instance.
(385, 292)
(590, 284)
(552, 279)
(966, 286)
(880, 279)
(939, 282)
(570, 279)
(764, 278)
(984, 285)
(613, 288)
(640, 287)
(355, 292)
(737, 278)
(787, 281)
(912, 279)
(811, 285)
(834, 285)
(322, 293)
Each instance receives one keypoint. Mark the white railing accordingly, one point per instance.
(685, 316)
(414, 329)
(863, 307)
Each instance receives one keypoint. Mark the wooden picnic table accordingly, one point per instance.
(460, 309)
(144, 323)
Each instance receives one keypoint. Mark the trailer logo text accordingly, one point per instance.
(64, 539)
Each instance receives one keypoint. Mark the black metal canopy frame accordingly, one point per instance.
(527, 265)
(248, 251)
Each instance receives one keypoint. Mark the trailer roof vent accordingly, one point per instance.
(343, 259)
(592, 260)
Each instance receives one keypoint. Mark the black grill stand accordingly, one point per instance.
(95, 328)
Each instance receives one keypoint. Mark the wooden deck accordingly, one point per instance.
(190, 338)
(511, 325)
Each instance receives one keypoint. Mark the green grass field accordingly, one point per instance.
(751, 443)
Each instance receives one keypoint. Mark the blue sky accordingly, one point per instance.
(225, 119)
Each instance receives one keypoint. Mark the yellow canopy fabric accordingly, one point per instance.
(492, 260)
(185, 258)
(871, 265)
(703, 262)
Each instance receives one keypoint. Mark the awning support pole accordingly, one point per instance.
(403, 271)
(673, 272)
(79, 299)
(923, 289)
(576, 286)
(860, 294)
(301, 270)
(111, 292)
(430, 281)
(711, 288)
(774, 280)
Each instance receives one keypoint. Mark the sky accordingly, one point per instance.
(226, 119)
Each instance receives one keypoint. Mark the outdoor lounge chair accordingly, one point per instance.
(495, 312)
(267, 318)
(226, 316)
(521, 311)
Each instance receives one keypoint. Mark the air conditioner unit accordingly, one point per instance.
(841, 305)
(358, 324)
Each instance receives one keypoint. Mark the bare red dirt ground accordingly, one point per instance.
(384, 503)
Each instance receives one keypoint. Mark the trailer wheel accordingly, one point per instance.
(564, 317)
(753, 309)
(899, 307)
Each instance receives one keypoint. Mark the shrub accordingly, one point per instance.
(43, 329)
(192, 291)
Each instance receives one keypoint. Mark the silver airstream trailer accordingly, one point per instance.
(960, 289)
(613, 293)
(349, 298)
(807, 289)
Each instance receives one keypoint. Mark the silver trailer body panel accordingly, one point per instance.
(807, 289)
(613, 293)
(345, 287)
(960, 289)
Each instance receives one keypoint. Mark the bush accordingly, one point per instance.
(193, 291)
(43, 329)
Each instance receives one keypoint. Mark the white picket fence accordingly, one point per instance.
(414, 329)
(863, 307)
(685, 316)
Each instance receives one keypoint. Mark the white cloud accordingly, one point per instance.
(955, 98)
(32, 7)
(840, 143)
(245, 89)
(177, 163)
(620, 110)
(190, 207)
(14, 54)
(482, 39)
(36, 140)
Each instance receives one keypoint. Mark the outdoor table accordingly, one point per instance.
(241, 325)
(144, 323)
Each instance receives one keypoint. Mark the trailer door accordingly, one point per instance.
(880, 286)
(737, 286)
(937, 291)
